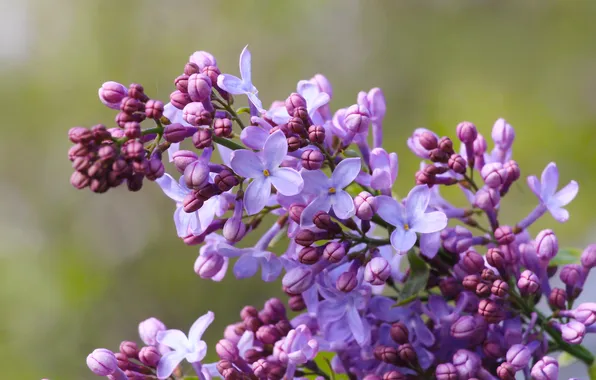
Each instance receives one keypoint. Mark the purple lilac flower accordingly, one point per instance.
(315, 99)
(244, 86)
(191, 348)
(297, 348)
(264, 169)
(546, 191)
(411, 218)
(328, 192)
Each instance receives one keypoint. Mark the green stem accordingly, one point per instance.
(228, 108)
(227, 143)
(327, 156)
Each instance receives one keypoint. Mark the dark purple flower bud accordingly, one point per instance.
(323, 221)
(446, 371)
(499, 288)
(79, 180)
(428, 140)
(457, 163)
(293, 101)
(493, 349)
(80, 135)
(357, 119)
(407, 354)
(494, 175)
(183, 158)
(506, 371)
(250, 324)
(386, 354)
(471, 281)
(488, 275)
(224, 365)
(227, 350)
(295, 212)
(450, 287)
(482, 289)
(281, 127)
(199, 87)
(302, 113)
(297, 280)
(294, 143)
(309, 255)
(377, 271)
(154, 109)
(588, 257)
(226, 180)
(487, 199)
(131, 105)
(557, 298)
(196, 174)
(312, 159)
(472, 262)
(284, 327)
(181, 83)
(179, 99)
(365, 205)
(102, 362)
(140, 166)
(504, 235)
(446, 145)
(296, 303)
(490, 311)
(149, 355)
(207, 191)
(528, 283)
(234, 229)
(572, 275)
(222, 127)
(268, 334)
(132, 130)
(148, 330)
(107, 153)
(123, 118)
(137, 91)
(100, 133)
(547, 245)
(276, 307)
(203, 138)
(248, 311)
(130, 349)
(209, 265)
(519, 356)
(134, 150)
(503, 134)
(467, 363)
(305, 237)
(212, 72)
(111, 94)
(191, 68)
(546, 368)
(296, 125)
(175, 133)
(512, 169)
(496, 258)
(466, 132)
(399, 333)
(334, 252)
(346, 282)
(316, 134)
(457, 240)
(467, 326)
(196, 114)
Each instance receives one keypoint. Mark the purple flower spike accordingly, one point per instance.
(546, 191)
(297, 348)
(264, 169)
(244, 86)
(328, 192)
(410, 218)
(546, 368)
(191, 348)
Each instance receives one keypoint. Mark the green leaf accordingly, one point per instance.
(416, 281)
(592, 372)
(567, 256)
(566, 359)
(323, 361)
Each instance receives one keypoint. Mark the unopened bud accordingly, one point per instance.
(312, 159)
(316, 134)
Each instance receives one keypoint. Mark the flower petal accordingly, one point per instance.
(402, 240)
(279, 115)
(534, 185)
(317, 102)
(308, 90)
(275, 150)
(549, 181)
(246, 342)
(174, 147)
(417, 202)
(315, 181)
(168, 363)
(381, 179)
(567, 194)
(430, 244)
(245, 64)
(230, 251)
(390, 210)
(174, 339)
(254, 99)
(246, 266)
(171, 187)
(379, 158)
(247, 164)
(430, 222)
(270, 268)
(257, 194)
(321, 203)
(343, 205)
(345, 172)
(357, 327)
(254, 137)
(287, 181)
(198, 328)
(231, 84)
(559, 213)
(182, 221)
(199, 351)
(207, 212)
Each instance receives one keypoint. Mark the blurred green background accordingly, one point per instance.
(79, 270)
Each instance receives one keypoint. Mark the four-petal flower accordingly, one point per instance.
(546, 190)
(237, 86)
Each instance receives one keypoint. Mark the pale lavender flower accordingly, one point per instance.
(546, 191)
(314, 97)
(384, 169)
(328, 192)
(254, 136)
(374, 102)
(264, 169)
(411, 218)
(244, 86)
(245, 343)
(210, 264)
(297, 348)
(191, 348)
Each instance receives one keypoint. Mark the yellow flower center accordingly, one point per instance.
(332, 190)
(406, 226)
(266, 173)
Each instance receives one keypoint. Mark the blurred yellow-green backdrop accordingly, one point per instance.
(79, 270)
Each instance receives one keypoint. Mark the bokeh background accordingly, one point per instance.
(79, 270)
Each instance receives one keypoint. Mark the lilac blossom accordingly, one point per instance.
(411, 218)
(191, 348)
(244, 86)
(328, 192)
(264, 169)
(315, 99)
(546, 191)
(297, 348)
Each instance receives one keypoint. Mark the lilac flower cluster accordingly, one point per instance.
(381, 287)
